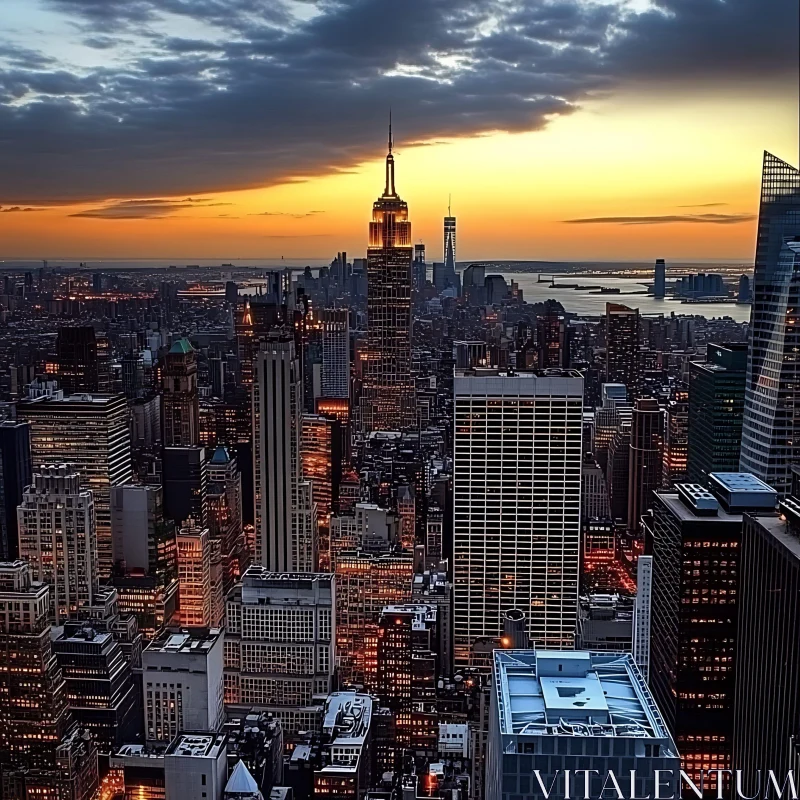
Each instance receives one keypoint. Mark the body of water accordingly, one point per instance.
(587, 303)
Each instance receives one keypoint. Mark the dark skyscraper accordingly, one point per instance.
(771, 428)
(552, 342)
(660, 283)
(696, 559)
(622, 345)
(646, 456)
(15, 475)
(767, 704)
(180, 405)
(716, 406)
(78, 369)
(387, 397)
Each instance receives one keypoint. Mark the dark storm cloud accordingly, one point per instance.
(269, 97)
(146, 209)
(700, 219)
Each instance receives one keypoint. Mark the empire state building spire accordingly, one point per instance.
(389, 190)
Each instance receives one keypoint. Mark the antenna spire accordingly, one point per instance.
(449, 198)
(389, 190)
(390, 131)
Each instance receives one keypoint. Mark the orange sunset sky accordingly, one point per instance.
(622, 149)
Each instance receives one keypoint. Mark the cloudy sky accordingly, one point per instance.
(564, 129)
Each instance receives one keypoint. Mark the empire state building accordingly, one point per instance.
(387, 397)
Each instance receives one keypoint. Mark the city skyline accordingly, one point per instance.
(613, 129)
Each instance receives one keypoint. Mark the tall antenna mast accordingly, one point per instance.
(449, 198)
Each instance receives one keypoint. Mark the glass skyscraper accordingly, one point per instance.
(771, 427)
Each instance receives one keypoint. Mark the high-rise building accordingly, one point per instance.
(196, 765)
(99, 686)
(281, 645)
(660, 282)
(92, 432)
(57, 537)
(15, 475)
(449, 253)
(365, 583)
(536, 725)
(676, 439)
(767, 704)
(770, 430)
(642, 614)
(646, 456)
(76, 352)
(33, 713)
(407, 669)
(618, 465)
(335, 381)
(277, 429)
(224, 502)
(387, 395)
(716, 410)
(552, 342)
(420, 275)
(622, 345)
(182, 683)
(514, 435)
(180, 410)
(196, 589)
(695, 588)
(185, 482)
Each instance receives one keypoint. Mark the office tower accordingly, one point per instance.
(76, 353)
(335, 353)
(407, 670)
(695, 584)
(365, 584)
(99, 686)
(618, 466)
(224, 502)
(660, 282)
(744, 293)
(311, 358)
(366, 526)
(196, 765)
(33, 715)
(676, 439)
(91, 432)
(536, 726)
(434, 534)
(145, 557)
(642, 614)
(347, 733)
(622, 345)
(387, 395)
(277, 428)
(321, 460)
(420, 268)
(182, 683)
(605, 623)
(552, 342)
(57, 537)
(185, 481)
(770, 438)
(515, 433)
(594, 491)
(608, 418)
(767, 704)
(467, 355)
(196, 589)
(646, 456)
(716, 411)
(449, 253)
(275, 620)
(15, 475)
(179, 397)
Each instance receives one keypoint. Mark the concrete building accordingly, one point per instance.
(642, 614)
(180, 409)
(196, 766)
(514, 435)
(58, 538)
(554, 711)
(182, 683)
(280, 645)
(93, 433)
(335, 379)
(199, 578)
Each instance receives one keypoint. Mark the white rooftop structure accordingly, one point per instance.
(242, 784)
(573, 693)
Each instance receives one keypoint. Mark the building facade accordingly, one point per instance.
(517, 503)
(180, 404)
